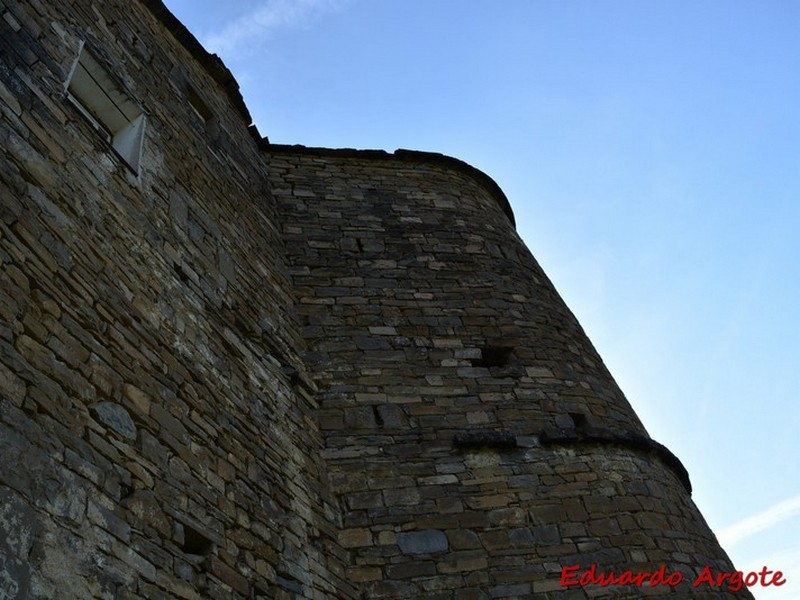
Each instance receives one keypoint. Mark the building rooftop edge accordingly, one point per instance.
(216, 68)
(401, 154)
(212, 63)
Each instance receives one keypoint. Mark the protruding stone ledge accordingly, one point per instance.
(605, 437)
(481, 439)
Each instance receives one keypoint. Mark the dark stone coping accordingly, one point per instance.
(212, 63)
(411, 156)
(606, 437)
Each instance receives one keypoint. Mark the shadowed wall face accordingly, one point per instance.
(157, 432)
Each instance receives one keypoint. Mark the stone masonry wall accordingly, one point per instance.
(157, 428)
(476, 439)
(255, 371)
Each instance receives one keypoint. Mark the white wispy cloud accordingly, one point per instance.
(764, 520)
(267, 16)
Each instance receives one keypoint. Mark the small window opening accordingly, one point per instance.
(200, 108)
(493, 356)
(108, 107)
(195, 542)
(579, 419)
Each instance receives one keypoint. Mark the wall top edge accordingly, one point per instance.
(216, 68)
(212, 63)
(403, 155)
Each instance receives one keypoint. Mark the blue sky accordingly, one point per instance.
(651, 153)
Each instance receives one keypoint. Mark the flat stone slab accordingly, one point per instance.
(115, 417)
(423, 542)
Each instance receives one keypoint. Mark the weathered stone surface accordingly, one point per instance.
(494, 415)
(18, 529)
(352, 538)
(240, 371)
(115, 417)
(131, 388)
(422, 542)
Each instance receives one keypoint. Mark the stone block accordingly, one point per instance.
(518, 590)
(105, 518)
(546, 534)
(412, 569)
(507, 517)
(362, 574)
(463, 539)
(355, 538)
(227, 575)
(114, 417)
(137, 397)
(430, 541)
(401, 497)
(135, 560)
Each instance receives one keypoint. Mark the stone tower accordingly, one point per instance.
(231, 369)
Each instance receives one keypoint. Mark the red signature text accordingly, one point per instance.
(571, 575)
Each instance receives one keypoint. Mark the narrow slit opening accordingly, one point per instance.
(195, 542)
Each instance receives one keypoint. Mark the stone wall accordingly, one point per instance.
(158, 433)
(477, 440)
(238, 370)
